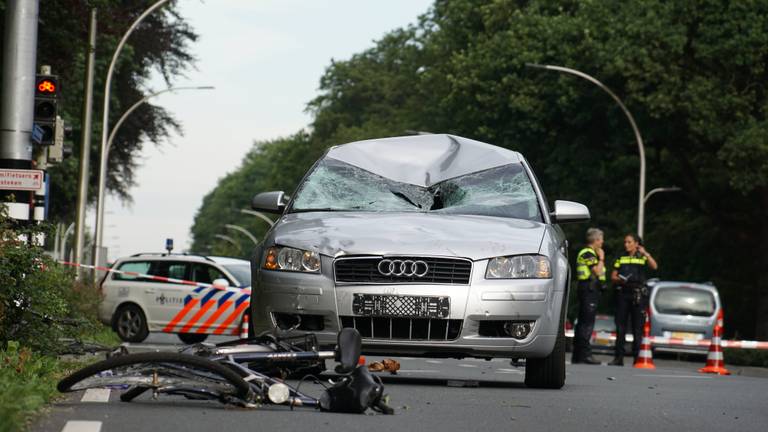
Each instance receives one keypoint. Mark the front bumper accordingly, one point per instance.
(318, 296)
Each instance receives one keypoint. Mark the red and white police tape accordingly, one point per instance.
(660, 340)
(142, 275)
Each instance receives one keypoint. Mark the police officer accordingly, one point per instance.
(590, 273)
(632, 294)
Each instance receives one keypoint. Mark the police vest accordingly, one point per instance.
(585, 260)
(631, 268)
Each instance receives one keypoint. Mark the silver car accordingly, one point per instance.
(685, 312)
(430, 245)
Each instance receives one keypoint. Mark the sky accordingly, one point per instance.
(265, 59)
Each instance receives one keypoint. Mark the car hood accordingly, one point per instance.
(354, 233)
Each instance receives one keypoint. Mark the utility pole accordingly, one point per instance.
(85, 146)
(17, 108)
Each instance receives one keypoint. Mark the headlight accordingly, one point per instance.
(290, 259)
(519, 267)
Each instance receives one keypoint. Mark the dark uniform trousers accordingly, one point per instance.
(588, 296)
(628, 310)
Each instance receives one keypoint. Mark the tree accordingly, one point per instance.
(692, 73)
(160, 43)
(270, 165)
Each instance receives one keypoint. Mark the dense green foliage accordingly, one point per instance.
(33, 287)
(160, 43)
(693, 74)
(28, 380)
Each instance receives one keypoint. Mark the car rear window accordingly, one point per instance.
(685, 301)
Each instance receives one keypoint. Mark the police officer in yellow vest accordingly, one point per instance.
(590, 273)
(631, 295)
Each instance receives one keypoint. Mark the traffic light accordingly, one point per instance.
(46, 109)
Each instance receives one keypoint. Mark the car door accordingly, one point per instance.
(220, 309)
(126, 285)
(168, 299)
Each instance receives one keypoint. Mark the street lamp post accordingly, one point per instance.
(105, 129)
(661, 189)
(640, 147)
(259, 215)
(244, 231)
(138, 104)
(229, 239)
(102, 180)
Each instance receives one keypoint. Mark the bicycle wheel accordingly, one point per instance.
(163, 373)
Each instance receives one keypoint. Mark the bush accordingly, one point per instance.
(33, 283)
(27, 380)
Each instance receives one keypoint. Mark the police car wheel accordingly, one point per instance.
(192, 338)
(131, 324)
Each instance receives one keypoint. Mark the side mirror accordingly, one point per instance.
(270, 202)
(220, 283)
(569, 211)
(349, 346)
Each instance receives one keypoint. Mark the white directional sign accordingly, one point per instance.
(16, 179)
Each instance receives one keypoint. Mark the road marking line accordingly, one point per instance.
(96, 395)
(435, 361)
(467, 366)
(502, 370)
(82, 426)
(673, 376)
(418, 370)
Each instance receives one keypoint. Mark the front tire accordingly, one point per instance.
(548, 372)
(131, 323)
(192, 338)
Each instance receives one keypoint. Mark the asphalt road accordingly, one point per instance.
(462, 395)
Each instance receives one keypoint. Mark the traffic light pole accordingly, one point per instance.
(17, 105)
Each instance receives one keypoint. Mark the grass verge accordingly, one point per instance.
(28, 378)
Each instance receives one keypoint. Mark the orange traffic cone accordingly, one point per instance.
(715, 361)
(644, 359)
(244, 327)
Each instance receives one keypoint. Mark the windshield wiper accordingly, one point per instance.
(326, 209)
(405, 198)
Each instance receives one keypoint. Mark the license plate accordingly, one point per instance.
(603, 339)
(401, 306)
(687, 335)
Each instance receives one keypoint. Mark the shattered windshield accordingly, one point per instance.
(504, 191)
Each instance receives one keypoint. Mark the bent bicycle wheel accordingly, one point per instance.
(171, 373)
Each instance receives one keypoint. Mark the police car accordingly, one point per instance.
(191, 295)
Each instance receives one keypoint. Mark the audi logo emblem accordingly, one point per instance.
(408, 268)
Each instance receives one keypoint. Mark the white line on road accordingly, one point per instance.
(435, 361)
(674, 376)
(467, 366)
(96, 395)
(502, 370)
(419, 370)
(82, 426)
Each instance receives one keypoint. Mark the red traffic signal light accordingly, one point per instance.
(46, 108)
(46, 86)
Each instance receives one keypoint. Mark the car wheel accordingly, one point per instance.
(548, 372)
(192, 338)
(131, 324)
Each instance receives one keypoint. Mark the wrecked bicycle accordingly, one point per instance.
(247, 373)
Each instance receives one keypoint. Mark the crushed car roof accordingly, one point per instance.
(423, 160)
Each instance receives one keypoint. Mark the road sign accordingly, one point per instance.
(37, 134)
(16, 179)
